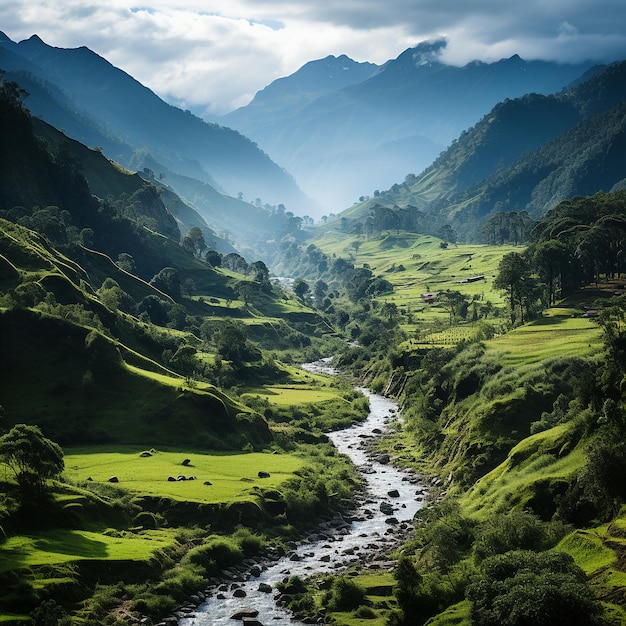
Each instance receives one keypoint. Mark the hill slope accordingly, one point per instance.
(344, 140)
(526, 154)
(132, 115)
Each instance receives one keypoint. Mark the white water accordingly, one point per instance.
(363, 540)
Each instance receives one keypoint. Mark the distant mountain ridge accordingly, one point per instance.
(131, 117)
(526, 154)
(345, 142)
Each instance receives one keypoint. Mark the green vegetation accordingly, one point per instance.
(135, 354)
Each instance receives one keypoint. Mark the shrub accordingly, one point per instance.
(344, 595)
(214, 555)
(365, 612)
(523, 587)
(154, 605)
(248, 542)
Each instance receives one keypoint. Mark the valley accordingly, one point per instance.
(160, 437)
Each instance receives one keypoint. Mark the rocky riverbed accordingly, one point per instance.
(366, 535)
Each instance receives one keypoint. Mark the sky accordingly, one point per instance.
(212, 56)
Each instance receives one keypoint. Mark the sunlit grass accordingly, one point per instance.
(286, 395)
(556, 333)
(63, 546)
(232, 475)
(531, 461)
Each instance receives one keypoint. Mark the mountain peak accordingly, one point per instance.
(427, 52)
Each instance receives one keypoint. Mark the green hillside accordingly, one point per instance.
(526, 154)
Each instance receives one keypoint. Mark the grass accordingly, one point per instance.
(287, 395)
(533, 460)
(379, 592)
(58, 546)
(232, 475)
(455, 615)
(556, 333)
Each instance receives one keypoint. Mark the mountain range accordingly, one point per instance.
(100, 105)
(526, 154)
(344, 128)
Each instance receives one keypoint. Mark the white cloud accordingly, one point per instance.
(212, 56)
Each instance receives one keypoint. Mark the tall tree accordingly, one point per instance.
(514, 278)
(31, 457)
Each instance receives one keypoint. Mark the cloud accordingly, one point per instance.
(212, 56)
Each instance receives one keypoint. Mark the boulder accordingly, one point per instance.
(243, 613)
(239, 593)
(393, 493)
(263, 474)
(186, 462)
(114, 479)
(386, 508)
(265, 588)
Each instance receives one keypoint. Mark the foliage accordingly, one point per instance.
(344, 595)
(32, 458)
(516, 530)
(523, 587)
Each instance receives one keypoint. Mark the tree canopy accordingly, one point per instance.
(31, 457)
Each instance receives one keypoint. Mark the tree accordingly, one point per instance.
(31, 457)
(514, 278)
(186, 362)
(389, 311)
(454, 302)
(194, 241)
(522, 587)
(551, 259)
(231, 342)
(301, 288)
(168, 281)
(214, 258)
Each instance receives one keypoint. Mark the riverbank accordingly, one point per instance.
(380, 521)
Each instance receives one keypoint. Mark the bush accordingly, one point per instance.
(365, 612)
(344, 595)
(523, 587)
(248, 542)
(214, 555)
(154, 605)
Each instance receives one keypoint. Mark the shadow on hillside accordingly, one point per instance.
(72, 544)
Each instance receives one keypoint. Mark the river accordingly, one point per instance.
(366, 536)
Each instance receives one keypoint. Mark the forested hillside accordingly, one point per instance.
(527, 154)
(100, 105)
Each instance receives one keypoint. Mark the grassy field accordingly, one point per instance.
(300, 387)
(417, 265)
(65, 546)
(559, 332)
(232, 475)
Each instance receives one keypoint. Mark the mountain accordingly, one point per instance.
(341, 141)
(112, 105)
(526, 154)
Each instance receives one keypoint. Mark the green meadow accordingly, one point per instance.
(65, 546)
(417, 265)
(232, 475)
(514, 482)
(559, 332)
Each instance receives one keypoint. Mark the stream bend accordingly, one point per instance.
(366, 536)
